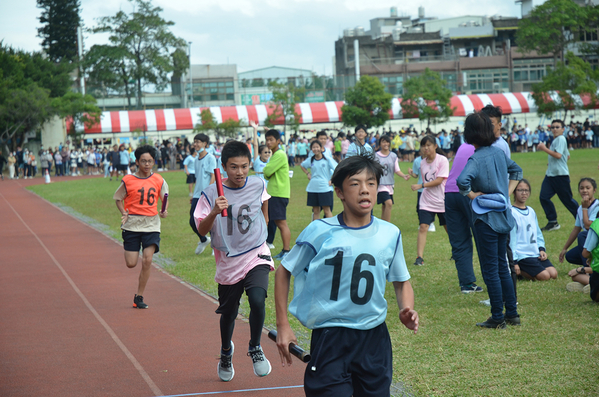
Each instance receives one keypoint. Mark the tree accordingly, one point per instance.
(227, 128)
(366, 103)
(284, 99)
(59, 19)
(574, 78)
(108, 71)
(427, 97)
(550, 28)
(143, 47)
(80, 109)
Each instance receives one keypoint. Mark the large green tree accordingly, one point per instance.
(366, 103)
(427, 98)
(228, 128)
(551, 28)
(575, 77)
(59, 19)
(141, 48)
(284, 99)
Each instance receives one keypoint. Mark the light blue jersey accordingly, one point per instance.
(321, 171)
(341, 273)
(259, 168)
(190, 163)
(416, 170)
(219, 164)
(558, 167)
(593, 210)
(357, 149)
(204, 168)
(526, 237)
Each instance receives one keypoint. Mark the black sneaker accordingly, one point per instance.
(491, 323)
(419, 262)
(513, 320)
(138, 302)
(470, 288)
(551, 226)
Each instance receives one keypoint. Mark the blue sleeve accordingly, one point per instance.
(468, 174)
(307, 163)
(212, 164)
(299, 258)
(398, 271)
(513, 238)
(514, 170)
(592, 241)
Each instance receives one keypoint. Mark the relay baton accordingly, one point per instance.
(293, 348)
(219, 188)
(164, 200)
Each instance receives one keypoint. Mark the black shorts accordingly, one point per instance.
(229, 295)
(319, 199)
(133, 241)
(191, 178)
(427, 217)
(349, 362)
(533, 266)
(122, 167)
(277, 208)
(381, 197)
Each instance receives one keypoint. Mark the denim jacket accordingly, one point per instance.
(485, 172)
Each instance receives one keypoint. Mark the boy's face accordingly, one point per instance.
(237, 169)
(145, 163)
(272, 143)
(361, 135)
(496, 121)
(197, 145)
(384, 145)
(358, 194)
(322, 139)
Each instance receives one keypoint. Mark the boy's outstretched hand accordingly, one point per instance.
(409, 318)
(285, 336)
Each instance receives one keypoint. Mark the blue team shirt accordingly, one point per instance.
(204, 168)
(526, 237)
(340, 273)
(190, 163)
(593, 210)
(259, 168)
(321, 171)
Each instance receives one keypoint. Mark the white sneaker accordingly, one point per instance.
(225, 369)
(202, 246)
(486, 302)
(271, 246)
(431, 228)
(261, 364)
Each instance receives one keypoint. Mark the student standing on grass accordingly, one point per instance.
(341, 266)
(137, 198)
(483, 181)
(557, 177)
(320, 191)
(204, 165)
(434, 169)
(414, 172)
(242, 257)
(261, 155)
(279, 188)
(390, 164)
(190, 169)
(586, 214)
(526, 239)
(359, 145)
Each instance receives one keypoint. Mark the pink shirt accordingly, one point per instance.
(230, 271)
(433, 198)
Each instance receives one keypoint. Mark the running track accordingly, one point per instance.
(67, 327)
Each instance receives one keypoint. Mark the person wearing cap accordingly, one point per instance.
(483, 181)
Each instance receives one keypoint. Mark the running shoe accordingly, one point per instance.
(492, 323)
(419, 262)
(202, 246)
(261, 364)
(138, 302)
(225, 365)
(471, 288)
(551, 226)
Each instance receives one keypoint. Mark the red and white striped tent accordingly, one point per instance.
(323, 112)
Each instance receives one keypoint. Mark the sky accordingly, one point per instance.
(253, 34)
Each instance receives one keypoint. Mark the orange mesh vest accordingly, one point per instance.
(142, 194)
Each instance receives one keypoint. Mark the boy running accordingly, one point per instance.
(242, 257)
(137, 198)
(341, 266)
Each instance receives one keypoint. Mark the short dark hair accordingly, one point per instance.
(321, 133)
(492, 111)
(360, 127)
(478, 130)
(145, 149)
(316, 142)
(234, 149)
(354, 165)
(202, 137)
(274, 133)
(559, 121)
(589, 180)
(385, 138)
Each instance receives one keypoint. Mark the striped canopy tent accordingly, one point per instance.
(311, 113)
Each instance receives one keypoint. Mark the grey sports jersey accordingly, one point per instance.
(388, 163)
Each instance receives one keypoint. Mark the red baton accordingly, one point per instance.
(164, 200)
(219, 188)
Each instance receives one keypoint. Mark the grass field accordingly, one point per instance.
(554, 352)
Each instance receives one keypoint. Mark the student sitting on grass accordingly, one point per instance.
(341, 266)
(320, 192)
(591, 253)
(526, 239)
(390, 164)
(242, 257)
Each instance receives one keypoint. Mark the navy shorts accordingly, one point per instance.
(191, 178)
(277, 208)
(319, 199)
(133, 241)
(381, 197)
(122, 167)
(427, 217)
(349, 362)
(533, 266)
(229, 295)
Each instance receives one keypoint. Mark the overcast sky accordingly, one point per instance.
(252, 33)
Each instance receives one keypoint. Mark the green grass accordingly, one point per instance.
(554, 352)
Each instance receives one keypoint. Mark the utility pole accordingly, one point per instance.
(190, 80)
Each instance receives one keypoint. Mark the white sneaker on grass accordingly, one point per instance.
(271, 246)
(261, 364)
(431, 228)
(225, 369)
(202, 246)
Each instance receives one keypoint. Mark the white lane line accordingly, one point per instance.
(112, 334)
(234, 391)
